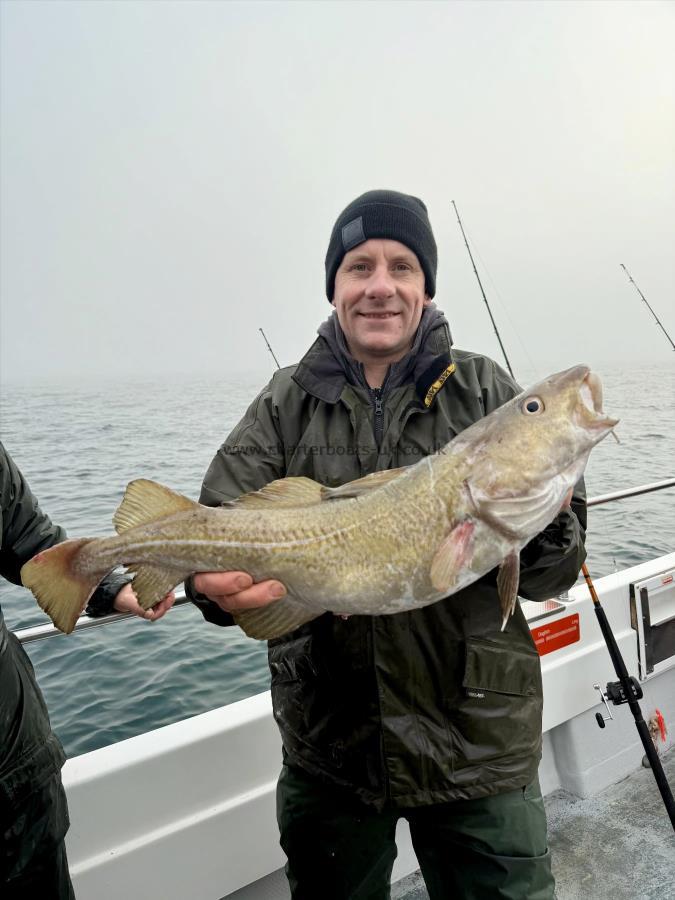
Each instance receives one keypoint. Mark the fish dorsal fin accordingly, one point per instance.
(362, 485)
(293, 491)
(144, 501)
(302, 491)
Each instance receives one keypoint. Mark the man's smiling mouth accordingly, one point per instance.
(375, 315)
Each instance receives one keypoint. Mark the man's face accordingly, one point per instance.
(379, 297)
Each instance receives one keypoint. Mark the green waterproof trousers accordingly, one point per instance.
(339, 848)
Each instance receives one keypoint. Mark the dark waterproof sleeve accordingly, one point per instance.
(250, 458)
(26, 530)
(102, 601)
(551, 562)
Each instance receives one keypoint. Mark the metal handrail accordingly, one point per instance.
(41, 632)
(631, 492)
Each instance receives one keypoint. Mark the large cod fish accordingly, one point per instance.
(392, 541)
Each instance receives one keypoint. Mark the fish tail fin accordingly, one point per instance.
(58, 587)
(145, 501)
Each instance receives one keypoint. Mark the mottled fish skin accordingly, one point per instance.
(362, 555)
(407, 538)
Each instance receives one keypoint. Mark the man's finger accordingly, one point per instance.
(221, 583)
(257, 595)
(161, 609)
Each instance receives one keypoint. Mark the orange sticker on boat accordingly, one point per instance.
(556, 634)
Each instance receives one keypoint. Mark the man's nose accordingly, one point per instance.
(380, 284)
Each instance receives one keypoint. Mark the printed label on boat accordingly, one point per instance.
(556, 634)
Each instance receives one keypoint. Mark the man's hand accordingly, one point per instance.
(234, 591)
(126, 601)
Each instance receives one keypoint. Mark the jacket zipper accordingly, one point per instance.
(378, 418)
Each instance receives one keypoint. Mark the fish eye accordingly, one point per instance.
(532, 406)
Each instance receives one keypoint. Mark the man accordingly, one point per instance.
(434, 715)
(33, 809)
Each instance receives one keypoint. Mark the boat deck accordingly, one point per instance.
(617, 845)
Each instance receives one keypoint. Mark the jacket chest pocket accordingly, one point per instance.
(496, 714)
(501, 669)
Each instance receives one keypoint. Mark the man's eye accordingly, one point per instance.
(402, 267)
(358, 267)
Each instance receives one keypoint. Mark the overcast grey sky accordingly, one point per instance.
(170, 173)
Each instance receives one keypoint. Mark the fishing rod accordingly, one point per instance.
(658, 322)
(494, 324)
(269, 348)
(627, 690)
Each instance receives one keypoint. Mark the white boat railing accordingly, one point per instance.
(41, 632)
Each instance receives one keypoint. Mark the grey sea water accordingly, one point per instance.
(79, 443)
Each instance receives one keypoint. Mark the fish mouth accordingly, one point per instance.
(590, 393)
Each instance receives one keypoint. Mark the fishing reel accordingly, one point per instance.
(617, 695)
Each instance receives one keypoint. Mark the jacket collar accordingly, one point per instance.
(323, 375)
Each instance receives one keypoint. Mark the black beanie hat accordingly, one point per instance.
(383, 214)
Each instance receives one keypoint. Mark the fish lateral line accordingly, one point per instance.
(224, 542)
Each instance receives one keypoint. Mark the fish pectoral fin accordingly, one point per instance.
(151, 583)
(52, 575)
(507, 585)
(275, 619)
(144, 501)
(293, 491)
(455, 551)
(362, 485)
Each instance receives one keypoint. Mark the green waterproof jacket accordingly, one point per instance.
(30, 753)
(419, 707)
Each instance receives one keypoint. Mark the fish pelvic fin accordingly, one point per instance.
(275, 619)
(507, 585)
(145, 501)
(152, 583)
(454, 552)
(57, 586)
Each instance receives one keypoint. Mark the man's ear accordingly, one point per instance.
(427, 300)
(332, 303)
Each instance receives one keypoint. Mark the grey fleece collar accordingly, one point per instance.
(328, 365)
